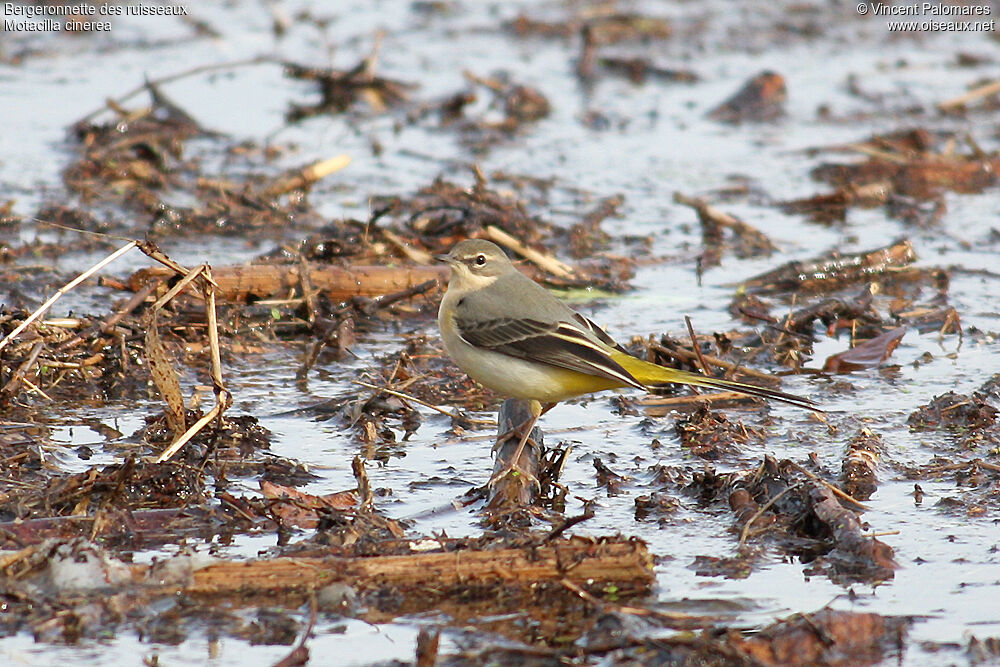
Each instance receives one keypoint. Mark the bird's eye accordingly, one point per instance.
(480, 259)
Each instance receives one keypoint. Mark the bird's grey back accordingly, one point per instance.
(515, 296)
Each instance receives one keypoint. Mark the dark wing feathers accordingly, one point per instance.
(498, 333)
(598, 332)
(558, 344)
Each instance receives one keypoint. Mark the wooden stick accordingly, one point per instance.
(974, 94)
(104, 327)
(190, 433)
(237, 283)
(414, 399)
(833, 489)
(697, 350)
(693, 399)
(583, 561)
(414, 254)
(307, 175)
(543, 261)
(41, 310)
(728, 366)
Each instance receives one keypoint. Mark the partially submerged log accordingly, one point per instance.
(239, 283)
(593, 564)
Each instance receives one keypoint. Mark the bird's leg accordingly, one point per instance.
(536, 412)
(545, 408)
(525, 431)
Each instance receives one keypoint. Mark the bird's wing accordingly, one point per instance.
(562, 344)
(598, 332)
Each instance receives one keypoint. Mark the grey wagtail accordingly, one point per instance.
(511, 335)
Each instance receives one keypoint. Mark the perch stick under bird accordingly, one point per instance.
(511, 335)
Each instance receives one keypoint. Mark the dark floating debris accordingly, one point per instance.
(907, 171)
(834, 270)
(868, 354)
(746, 241)
(800, 513)
(954, 411)
(342, 89)
(762, 98)
(710, 435)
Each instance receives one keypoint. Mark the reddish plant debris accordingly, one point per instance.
(976, 481)
(608, 478)
(868, 354)
(526, 26)
(737, 567)
(857, 315)
(908, 165)
(230, 437)
(586, 238)
(510, 109)
(443, 213)
(303, 510)
(826, 637)
(141, 153)
(893, 295)
(637, 69)
(854, 555)
(132, 484)
(762, 98)
(621, 27)
(907, 171)
(931, 317)
(657, 506)
(640, 70)
(969, 428)
(118, 528)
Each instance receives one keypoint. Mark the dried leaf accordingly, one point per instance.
(865, 355)
(164, 377)
(304, 509)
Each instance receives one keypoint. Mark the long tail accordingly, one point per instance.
(652, 375)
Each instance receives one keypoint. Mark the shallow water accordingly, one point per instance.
(659, 142)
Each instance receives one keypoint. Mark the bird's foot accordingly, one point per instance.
(514, 471)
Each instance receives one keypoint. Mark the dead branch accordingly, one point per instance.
(238, 283)
(543, 261)
(584, 561)
(41, 310)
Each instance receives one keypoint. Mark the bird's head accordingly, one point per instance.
(476, 261)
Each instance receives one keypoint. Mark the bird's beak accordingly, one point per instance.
(447, 259)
